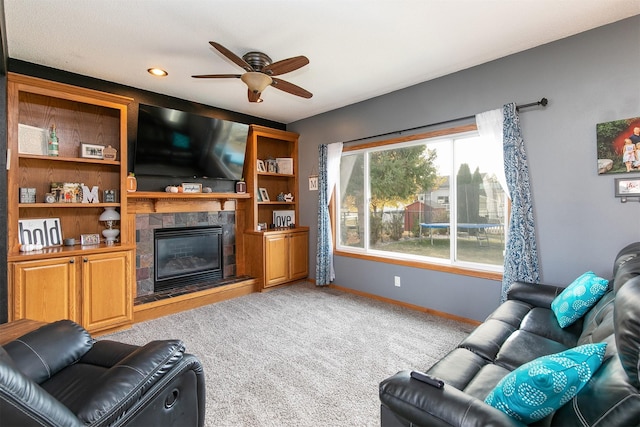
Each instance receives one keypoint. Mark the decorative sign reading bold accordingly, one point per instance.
(45, 232)
(284, 218)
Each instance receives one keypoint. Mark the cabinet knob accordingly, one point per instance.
(72, 261)
(85, 259)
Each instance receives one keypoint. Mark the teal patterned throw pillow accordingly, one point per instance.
(578, 298)
(538, 388)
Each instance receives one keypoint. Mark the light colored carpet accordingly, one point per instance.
(301, 355)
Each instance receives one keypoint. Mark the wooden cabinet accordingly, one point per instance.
(107, 303)
(277, 257)
(87, 289)
(274, 255)
(269, 144)
(44, 290)
(49, 284)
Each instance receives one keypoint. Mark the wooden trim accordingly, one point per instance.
(441, 314)
(158, 202)
(153, 310)
(73, 93)
(482, 274)
(425, 135)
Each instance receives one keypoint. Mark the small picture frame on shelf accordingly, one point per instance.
(89, 239)
(191, 187)
(264, 195)
(272, 166)
(110, 196)
(32, 140)
(91, 151)
(285, 165)
(260, 166)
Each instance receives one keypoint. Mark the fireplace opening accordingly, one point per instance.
(185, 256)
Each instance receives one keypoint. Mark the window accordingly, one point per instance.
(431, 199)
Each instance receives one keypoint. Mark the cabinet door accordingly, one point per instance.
(299, 255)
(276, 259)
(106, 290)
(45, 290)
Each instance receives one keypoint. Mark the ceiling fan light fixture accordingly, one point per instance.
(257, 82)
(158, 72)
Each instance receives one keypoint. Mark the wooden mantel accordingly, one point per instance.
(158, 202)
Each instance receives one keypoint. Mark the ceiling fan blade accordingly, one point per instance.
(253, 96)
(217, 76)
(286, 65)
(291, 88)
(232, 56)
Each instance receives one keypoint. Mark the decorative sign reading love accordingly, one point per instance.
(284, 218)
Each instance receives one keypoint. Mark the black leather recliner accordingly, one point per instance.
(59, 376)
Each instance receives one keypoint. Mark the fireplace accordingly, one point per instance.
(188, 255)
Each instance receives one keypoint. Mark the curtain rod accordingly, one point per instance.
(543, 102)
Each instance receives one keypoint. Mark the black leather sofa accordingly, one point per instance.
(59, 376)
(518, 331)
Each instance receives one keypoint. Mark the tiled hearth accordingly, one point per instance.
(145, 226)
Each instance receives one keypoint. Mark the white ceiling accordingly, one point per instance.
(358, 49)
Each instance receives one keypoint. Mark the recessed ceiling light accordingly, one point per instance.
(158, 72)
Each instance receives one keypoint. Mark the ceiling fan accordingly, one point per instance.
(260, 72)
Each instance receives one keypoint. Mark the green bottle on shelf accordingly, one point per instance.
(53, 142)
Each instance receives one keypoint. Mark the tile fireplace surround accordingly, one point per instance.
(147, 223)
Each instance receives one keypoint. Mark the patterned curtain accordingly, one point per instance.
(329, 170)
(521, 256)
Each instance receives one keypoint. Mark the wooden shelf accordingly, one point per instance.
(275, 202)
(161, 195)
(283, 175)
(62, 251)
(69, 159)
(140, 202)
(67, 205)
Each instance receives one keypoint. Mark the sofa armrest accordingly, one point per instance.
(537, 295)
(42, 353)
(122, 385)
(25, 403)
(422, 404)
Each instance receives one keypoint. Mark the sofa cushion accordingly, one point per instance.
(487, 338)
(538, 388)
(542, 321)
(39, 357)
(578, 298)
(523, 346)
(627, 325)
(129, 378)
(458, 367)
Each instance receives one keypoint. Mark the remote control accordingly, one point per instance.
(428, 379)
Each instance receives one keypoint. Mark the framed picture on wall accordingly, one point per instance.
(618, 144)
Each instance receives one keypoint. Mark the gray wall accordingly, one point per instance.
(589, 78)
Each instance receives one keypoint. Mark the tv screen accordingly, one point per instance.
(178, 144)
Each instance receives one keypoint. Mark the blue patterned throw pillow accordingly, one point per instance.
(578, 298)
(538, 388)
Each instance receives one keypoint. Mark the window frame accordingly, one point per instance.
(477, 270)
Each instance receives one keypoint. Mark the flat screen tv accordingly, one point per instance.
(178, 144)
